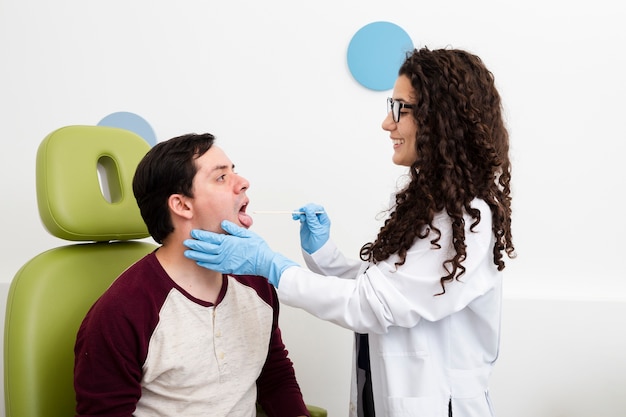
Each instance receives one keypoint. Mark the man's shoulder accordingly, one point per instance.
(260, 285)
(139, 286)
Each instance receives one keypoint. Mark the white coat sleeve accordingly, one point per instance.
(328, 260)
(383, 295)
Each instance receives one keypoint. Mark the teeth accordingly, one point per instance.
(398, 141)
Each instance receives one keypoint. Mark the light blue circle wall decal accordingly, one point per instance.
(132, 122)
(376, 52)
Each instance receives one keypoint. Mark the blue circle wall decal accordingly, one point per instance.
(376, 52)
(132, 122)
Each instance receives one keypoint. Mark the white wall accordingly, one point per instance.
(561, 358)
(270, 79)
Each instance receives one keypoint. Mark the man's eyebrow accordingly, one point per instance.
(222, 167)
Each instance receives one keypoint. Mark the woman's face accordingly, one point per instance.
(402, 132)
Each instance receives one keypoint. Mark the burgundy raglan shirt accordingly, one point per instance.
(149, 348)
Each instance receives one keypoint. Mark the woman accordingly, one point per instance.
(425, 298)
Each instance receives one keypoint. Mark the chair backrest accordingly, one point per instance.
(84, 193)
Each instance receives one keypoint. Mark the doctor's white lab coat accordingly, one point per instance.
(426, 350)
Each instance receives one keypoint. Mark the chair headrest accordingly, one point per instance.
(84, 183)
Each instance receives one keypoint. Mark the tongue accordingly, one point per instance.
(245, 220)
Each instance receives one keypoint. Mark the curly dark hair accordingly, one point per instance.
(462, 153)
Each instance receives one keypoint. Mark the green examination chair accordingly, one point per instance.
(84, 193)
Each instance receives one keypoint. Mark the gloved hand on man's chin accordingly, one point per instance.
(240, 252)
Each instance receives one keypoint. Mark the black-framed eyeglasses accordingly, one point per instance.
(394, 107)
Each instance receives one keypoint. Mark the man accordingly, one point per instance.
(170, 338)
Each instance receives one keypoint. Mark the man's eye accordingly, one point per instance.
(221, 177)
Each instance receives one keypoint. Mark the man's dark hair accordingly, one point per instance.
(168, 168)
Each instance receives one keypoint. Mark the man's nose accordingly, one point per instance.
(243, 184)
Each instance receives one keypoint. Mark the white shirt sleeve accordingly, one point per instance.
(382, 295)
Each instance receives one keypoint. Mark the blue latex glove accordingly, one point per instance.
(240, 252)
(314, 227)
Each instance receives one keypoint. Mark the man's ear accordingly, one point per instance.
(179, 206)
